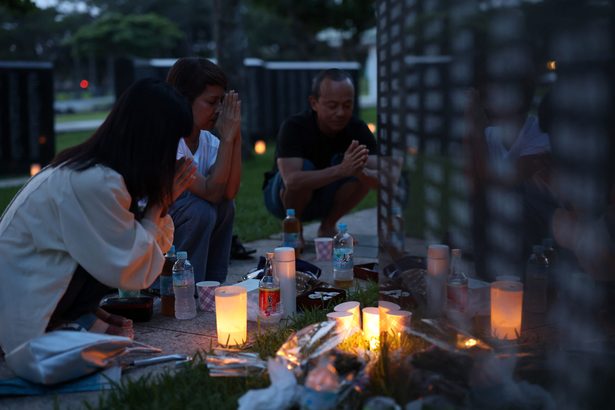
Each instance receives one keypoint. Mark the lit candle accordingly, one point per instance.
(35, 169)
(343, 320)
(260, 147)
(398, 321)
(351, 307)
(371, 326)
(231, 315)
(506, 307)
(383, 308)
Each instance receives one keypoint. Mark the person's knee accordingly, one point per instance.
(202, 215)
(226, 210)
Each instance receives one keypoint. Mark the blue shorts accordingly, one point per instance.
(318, 207)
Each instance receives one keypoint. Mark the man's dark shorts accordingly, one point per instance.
(319, 206)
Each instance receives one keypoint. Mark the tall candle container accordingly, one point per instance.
(398, 321)
(383, 308)
(506, 309)
(371, 326)
(231, 315)
(351, 307)
(343, 321)
(435, 280)
(284, 269)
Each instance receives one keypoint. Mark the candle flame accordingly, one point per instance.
(470, 343)
(35, 169)
(260, 147)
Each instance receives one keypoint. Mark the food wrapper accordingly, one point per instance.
(234, 364)
(310, 342)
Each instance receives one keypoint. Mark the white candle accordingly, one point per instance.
(231, 315)
(398, 321)
(383, 308)
(344, 321)
(351, 307)
(506, 308)
(284, 266)
(371, 325)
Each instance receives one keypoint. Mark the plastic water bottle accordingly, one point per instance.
(343, 257)
(536, 282)
(291, 232)
(167, 297)
(183, 287)
(457, 285)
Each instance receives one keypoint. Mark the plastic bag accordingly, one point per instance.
(60, 356)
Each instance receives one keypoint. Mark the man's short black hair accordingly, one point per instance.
(333, 74)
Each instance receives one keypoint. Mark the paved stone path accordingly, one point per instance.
(174, 336)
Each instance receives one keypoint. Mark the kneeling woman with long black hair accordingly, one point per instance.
(95, 218)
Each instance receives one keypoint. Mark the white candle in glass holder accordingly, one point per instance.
(398, 321)
(344, 321)
(506, 309)
(352, 307)
(231, 315)
(371, 325)
(383, 308)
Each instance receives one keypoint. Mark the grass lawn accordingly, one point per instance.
(194, 388)
(252, 220)
(82, 116)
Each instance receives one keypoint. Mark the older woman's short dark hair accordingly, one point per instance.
(191, 75)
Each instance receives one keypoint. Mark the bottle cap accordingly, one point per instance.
(269, 255)
(171, 252)
(538, 249)
(290, 212)
(342, 226)
(182, 255)
(456, 252)
(437, 251)
(284, 254)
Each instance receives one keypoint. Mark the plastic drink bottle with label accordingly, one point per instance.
(291, 232)
(269, 293)
(167, 297)
(457, 285)
(343, 263)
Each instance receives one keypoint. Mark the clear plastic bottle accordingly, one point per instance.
(343, 257)
(291, 232)
(536, 281)
(457, 285)
(183, 287)
(552, 277)
(269, 293)
(167, 297)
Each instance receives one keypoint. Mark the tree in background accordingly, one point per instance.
(288, 29)
(193, 17)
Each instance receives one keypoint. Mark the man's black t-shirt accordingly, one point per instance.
(300, 137)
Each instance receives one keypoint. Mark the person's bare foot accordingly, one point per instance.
(112, 324)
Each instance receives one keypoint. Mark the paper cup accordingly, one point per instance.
(206, 291)
(324, 248)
